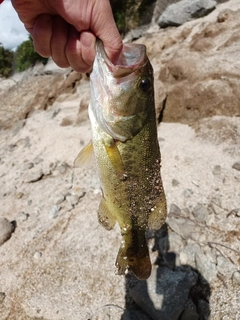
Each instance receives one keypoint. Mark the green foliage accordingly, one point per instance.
(128, 14)
(26, 56)
(6, 59)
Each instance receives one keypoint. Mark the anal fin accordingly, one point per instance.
(105, 217)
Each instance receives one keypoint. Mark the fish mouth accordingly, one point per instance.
(132, 57)
(114, 88)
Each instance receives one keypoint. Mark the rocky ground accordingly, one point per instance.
(56, 261)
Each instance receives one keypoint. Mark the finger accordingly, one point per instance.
(80, 50)
(105, 28)
(41, 34)
(59, 41)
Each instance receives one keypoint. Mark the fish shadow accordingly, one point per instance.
(172, 292)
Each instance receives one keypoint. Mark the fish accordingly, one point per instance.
(127, 154)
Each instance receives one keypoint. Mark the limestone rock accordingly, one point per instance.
(185, 10)
(6, 230)
(165, 293)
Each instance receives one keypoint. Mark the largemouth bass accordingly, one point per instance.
(125, 144)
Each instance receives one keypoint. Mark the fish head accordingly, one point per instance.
(122, 93)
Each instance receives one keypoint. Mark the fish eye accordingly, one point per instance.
(145, 84)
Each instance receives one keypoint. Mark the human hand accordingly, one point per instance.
(67, 30)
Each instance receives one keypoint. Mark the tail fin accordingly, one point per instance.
(133, 255)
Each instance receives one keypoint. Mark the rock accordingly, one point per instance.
(179, 54)
(225, 266)
(28, 166)
(2, 296)
(73, 199)
(22, 216)
(53, 113)
(136, 33)
(37, 255)
(203, 309)
(110, 312)
(187, 193)
(175, 183)
(19, 195)
(58, 199)
(175, 242)
(217, 170)
(206, 268)
(164, 295)
(236, 277)
(185, 10)
(6, 230)
(200, 212)
(132, 314)
(187, 254)
(33, 175)
(53, 212)
(190, 312)
(174, 210)
(161, 6)
(184, 227)
(236, 166)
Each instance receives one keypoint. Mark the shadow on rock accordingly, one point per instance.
(171, 292)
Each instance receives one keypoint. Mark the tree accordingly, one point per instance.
(26, 56)
(6, 61)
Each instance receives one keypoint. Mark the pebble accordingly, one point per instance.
(37, 255)
(73, 199)
(110, 312)
(38, 160)
(200, 212)
(217, 170)
(174, 209)
(54, 210)
(187, 193)
(22, 216)
(183, 227)
(225, 266)
(2, 296)
(175, 241)
(175, 183)
(58, 199)
(236, 277)
(236, 166)
(28, 166)
(6, 230)
(187, 255)
(19, 195)
(207, 269)
(216, 209)
(53, 113)
(33, 175)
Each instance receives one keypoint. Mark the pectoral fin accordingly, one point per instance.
(105, 217)
(114, 155)
(85, 156)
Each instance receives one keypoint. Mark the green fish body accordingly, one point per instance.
(125, 145)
